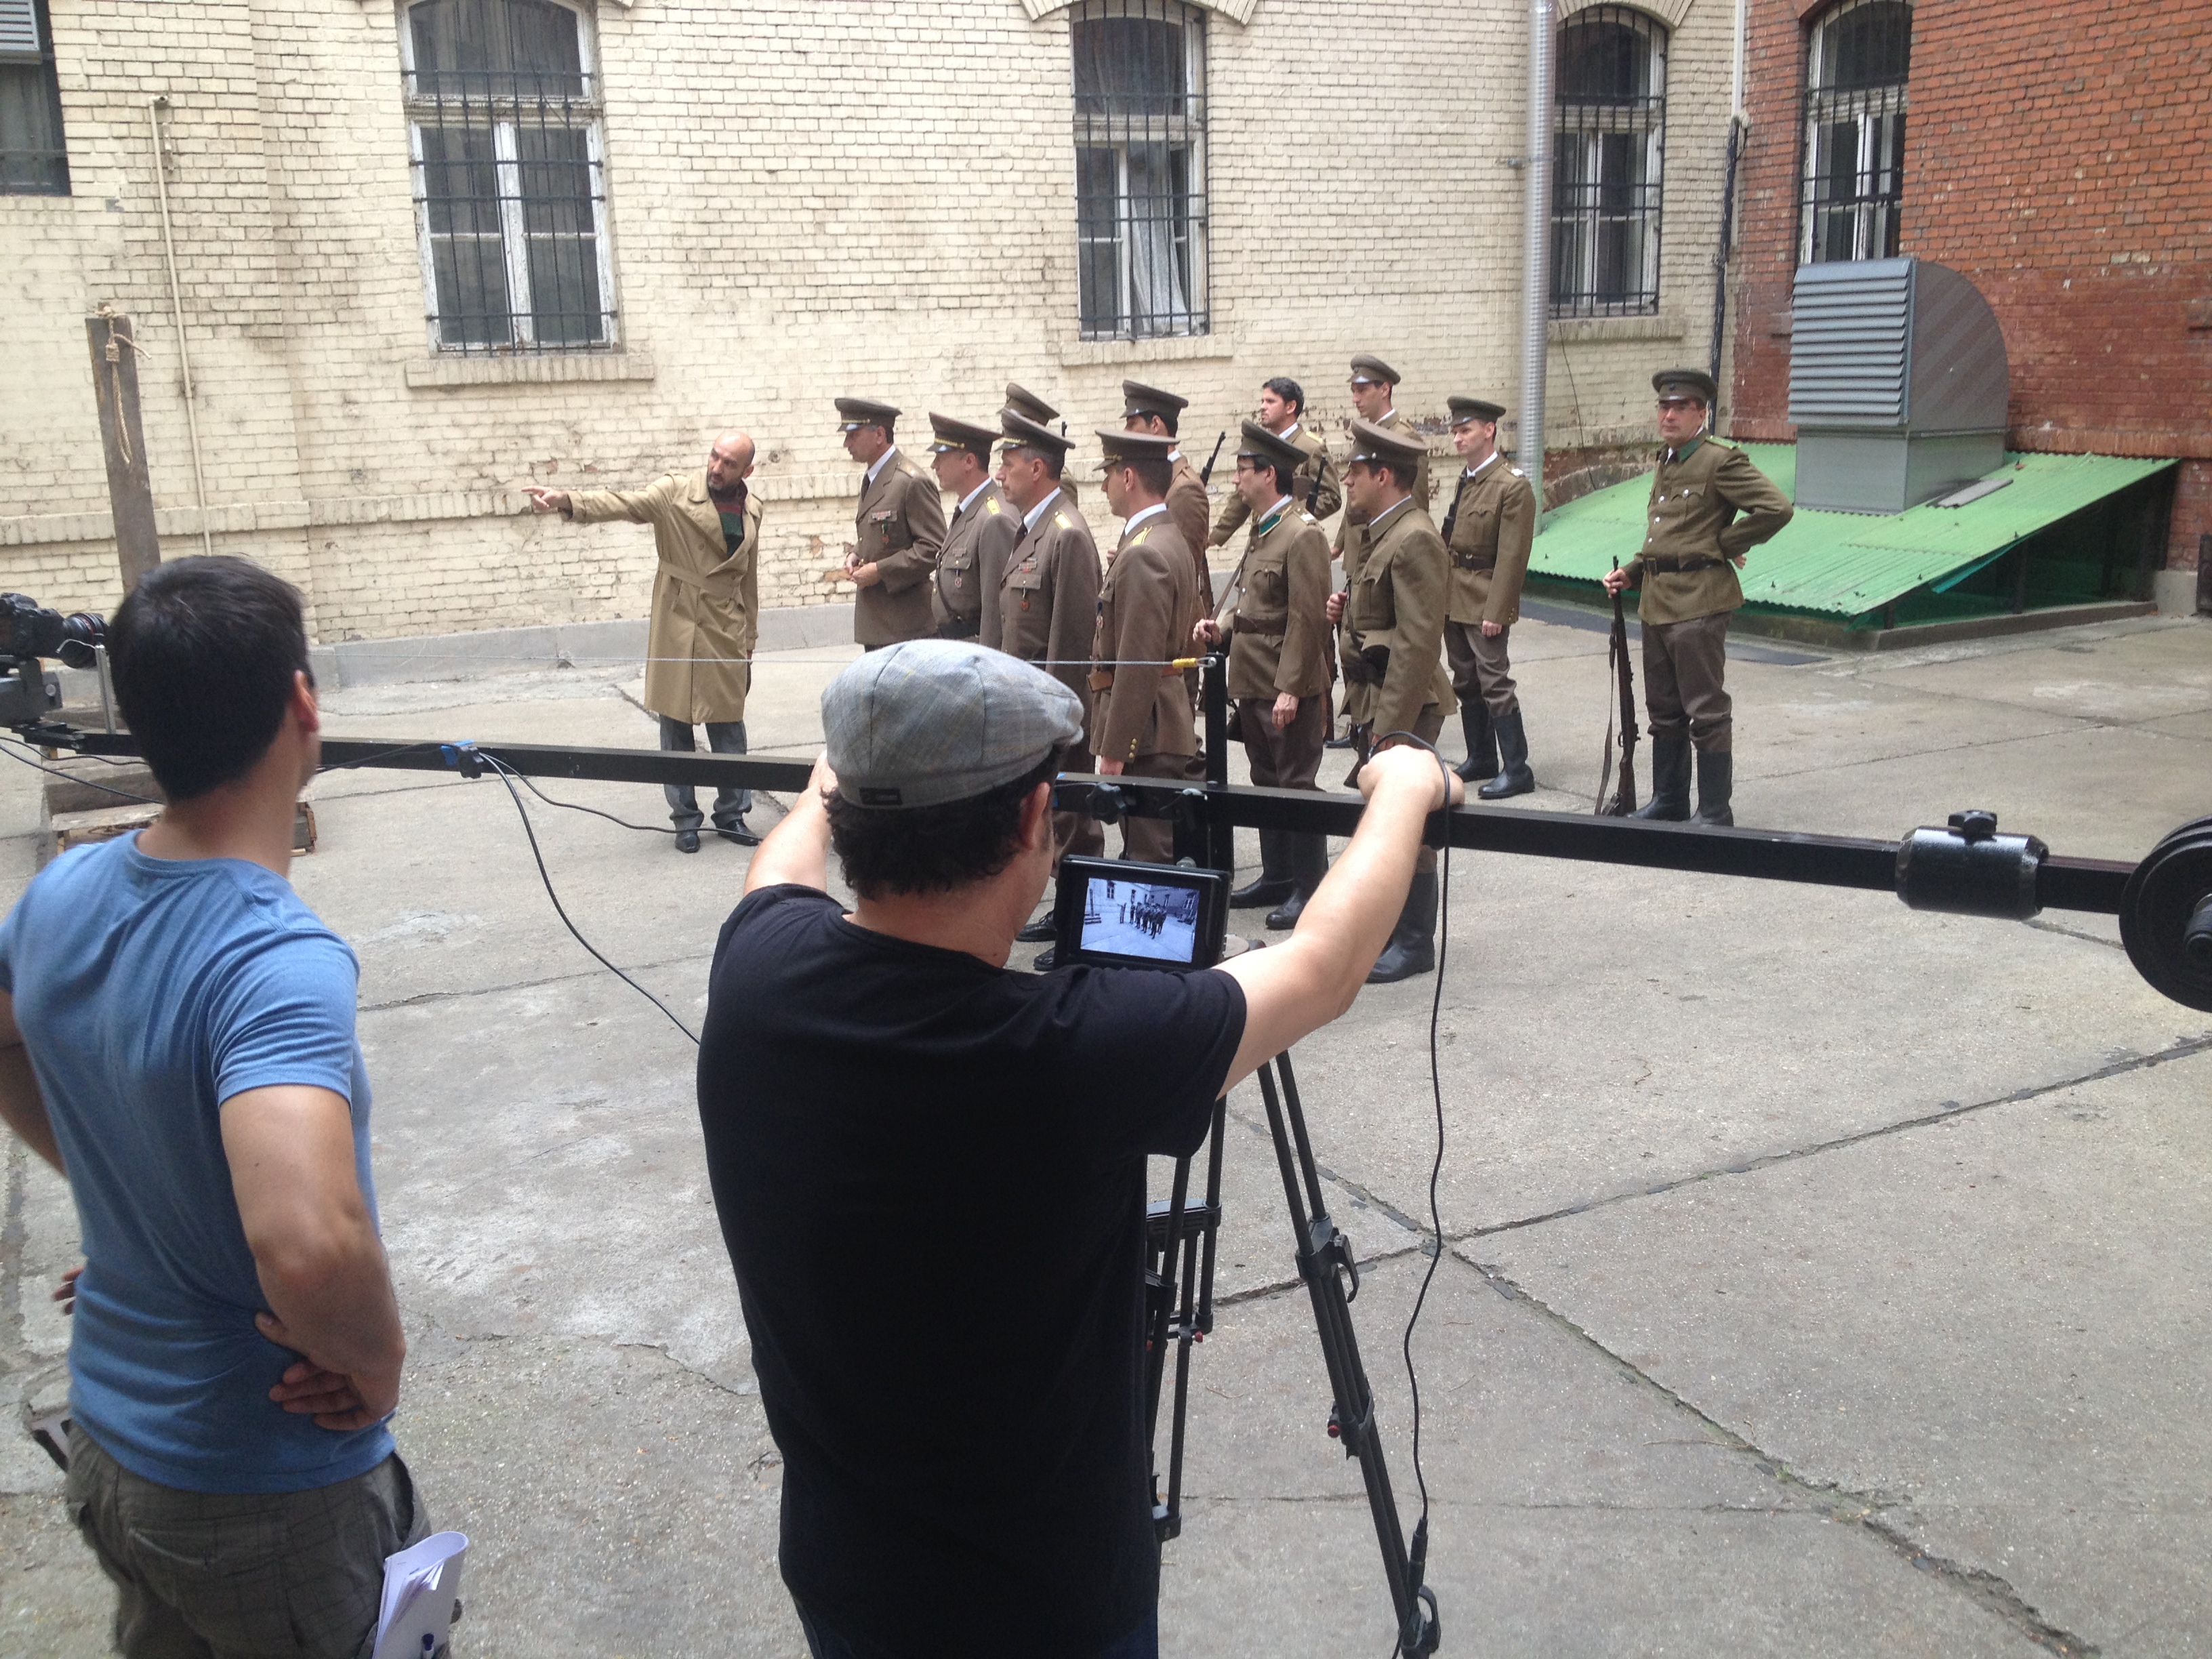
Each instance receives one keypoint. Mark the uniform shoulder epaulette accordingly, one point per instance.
(1517, 472)
(990, 505)
(1138, 540)
(1060, 519)
(1719, 443)
(1307, 516)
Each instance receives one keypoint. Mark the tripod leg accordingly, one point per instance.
(1193, 1319)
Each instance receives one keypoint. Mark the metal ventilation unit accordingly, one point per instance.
(1898, 384)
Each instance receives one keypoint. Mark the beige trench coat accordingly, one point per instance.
(706, 601)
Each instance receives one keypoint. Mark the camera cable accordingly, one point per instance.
(55, 771)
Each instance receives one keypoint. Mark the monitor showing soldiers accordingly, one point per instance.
(1131, 919)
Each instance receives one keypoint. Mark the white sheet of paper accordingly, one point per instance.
(420, 1584)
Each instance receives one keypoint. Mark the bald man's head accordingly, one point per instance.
(730, 463)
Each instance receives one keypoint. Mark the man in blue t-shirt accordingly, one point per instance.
(177, 1037)
(930, 1171)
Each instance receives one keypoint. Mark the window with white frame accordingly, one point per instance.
(1609, 141)
(510, 186)
(33, 155)
(1140, 168)
(1857, 60)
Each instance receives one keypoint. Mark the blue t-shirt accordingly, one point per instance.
(148, 991)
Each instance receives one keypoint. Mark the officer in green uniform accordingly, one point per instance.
(1694, 543)
(1393, 644)
(899, 526)
(1487, 531)
(1274, 615)
(964, 598)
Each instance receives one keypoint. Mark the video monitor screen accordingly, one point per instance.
(1123, 918)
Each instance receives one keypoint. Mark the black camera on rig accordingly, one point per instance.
(29, 631)
(1115, 914)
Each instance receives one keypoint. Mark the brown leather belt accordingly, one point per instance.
(1682, 566)
(1468, 562)
(960, 628)
(1102, 679)
(1240, 623)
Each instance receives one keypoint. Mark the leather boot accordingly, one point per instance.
(1716, 778)
(1482, 760)
(1273, 884)
(1515, 777)
(1309, 864)
(1670, 780)
(1413, 947)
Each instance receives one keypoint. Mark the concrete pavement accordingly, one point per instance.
(1822, 1277)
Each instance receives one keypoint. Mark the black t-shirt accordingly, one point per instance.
(930, 1174)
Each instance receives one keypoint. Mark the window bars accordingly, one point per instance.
(1139, 168)
(34, 153)
(1856, 63)
(510, 185)
(1609, 144)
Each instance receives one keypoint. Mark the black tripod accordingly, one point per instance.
(1179, 1288)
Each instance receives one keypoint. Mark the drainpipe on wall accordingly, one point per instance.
(1738, 126)
(154, 108)
(1536, 271)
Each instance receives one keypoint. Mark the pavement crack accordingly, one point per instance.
(2043, 927)
(2181, 1049)
(751, 1391)
(1869, 1511)
(1367, 1196)
(423, 999)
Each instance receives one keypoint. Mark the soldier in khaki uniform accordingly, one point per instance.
(1487, 531)
(1045, 610)
(1393, 632)
(1148, 409)
(1031, 407)
(1140, 716)
(1282, 411)
(900, 526)
(705, 607)
(1693, 547)
(964, 595)
(1374, 394)
(1274, 614)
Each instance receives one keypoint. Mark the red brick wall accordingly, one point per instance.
(2059, 158)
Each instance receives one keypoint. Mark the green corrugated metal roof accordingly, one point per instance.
(1847, 564)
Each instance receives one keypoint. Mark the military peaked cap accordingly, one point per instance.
(1023, 401)
(1032, 434)
(961, 434)
(854, 412)
(1368, 367)
(1138, 399)
(1121, 446)
(1464, 409)
(1262, 445)
(1376, 444)
(1685, 383)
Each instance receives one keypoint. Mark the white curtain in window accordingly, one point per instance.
(1155, 277)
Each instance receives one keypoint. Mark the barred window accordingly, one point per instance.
(510, 188)
(1140, 168)
(1609, 142)
(33, 155)
(1856, 66)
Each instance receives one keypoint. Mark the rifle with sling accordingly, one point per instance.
(1622, 801)
(1206, 472)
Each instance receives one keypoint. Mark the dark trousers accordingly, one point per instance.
(1077, 833)
(1152, 841)
(1142, 1643)
(1479, 667)
(1290, 759)
(723, 738)
(1684, 681)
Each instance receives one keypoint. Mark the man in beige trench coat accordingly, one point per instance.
(706, 606)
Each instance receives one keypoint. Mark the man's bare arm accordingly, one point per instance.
(321, 1266)
(1300, 986)
(797, 851)
(21, 1104)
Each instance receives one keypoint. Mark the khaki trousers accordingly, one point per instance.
(1480, 666)
(1152, 841)
(1684, 681)
(1290, 759)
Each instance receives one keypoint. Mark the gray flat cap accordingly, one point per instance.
(937, 720)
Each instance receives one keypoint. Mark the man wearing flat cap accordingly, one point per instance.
(1487, 532)
(1393, 649)
(1274, 614)
(1046, 609)
(983, 528)
(1374, 396)
(855, 1070)
(1282, 411)
(1031, 407)
(1140, 719)
(706, 608)
(899, 525)
(1710, 506)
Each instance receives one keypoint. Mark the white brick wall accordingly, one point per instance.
(806, 199)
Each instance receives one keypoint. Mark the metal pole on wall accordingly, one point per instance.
(154, 108)
(1537, 279)
(129, 488)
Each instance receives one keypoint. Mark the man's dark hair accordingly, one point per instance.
(1054, 460)
(1286, 474)
(203, 653)
(1163, 417)
(1155, 473)
(1288, 390)
(932, 849)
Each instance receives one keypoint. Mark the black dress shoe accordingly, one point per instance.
(687, 840)
(1284, 916)
(1344, 742)
(1262, 893)
(1038, 932)
(1043, 962)
(738, 833)
(1520, 781)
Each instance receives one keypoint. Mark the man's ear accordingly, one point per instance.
(1036, 817)
(303, 703)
